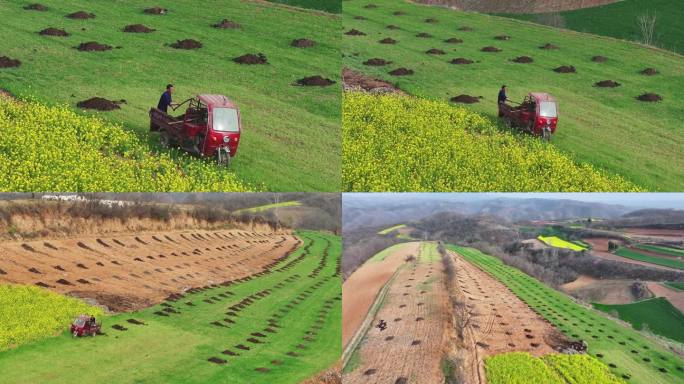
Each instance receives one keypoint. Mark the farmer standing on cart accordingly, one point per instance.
(165, 100)
(502, 99)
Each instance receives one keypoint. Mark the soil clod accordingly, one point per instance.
(502, 37)
(36, 7)
(599, 59)
(81, 15)
(649, 72)
(376, 62)
(490, 49)
(435, 51)
(565, 69)
(649, 97)
(388, 40)
(607, 84)
(93, 46)
(354, 32)
(6, 62)
(424, 35)
(453, 40)
(523, 59)
(401, 72)
(187, 44)
(216, 360)
(226, 24)
(548, 46)
(461, 61)
(156, 11)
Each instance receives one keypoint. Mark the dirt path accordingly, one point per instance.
(361, 288)
(128, 272)
(494, 320)
(410, 349)
(674, 296)
(600, 249)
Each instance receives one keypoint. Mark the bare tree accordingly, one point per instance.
(647, 26)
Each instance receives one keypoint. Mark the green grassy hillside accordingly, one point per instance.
(302, 299)
(619, 20)
(607, 128)
(629, 354)
(290, 135)
(658, 314)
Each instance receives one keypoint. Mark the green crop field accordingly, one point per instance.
(557, 242)
(429, 252)
(266, 207)
(289, 323)
(628, 353)
(450, 149)
(675, 285)
(291, 135)
(620, 20)
(380, 256)
(664, 261)
(605, 127)
(390, 229)
(523, 368)
(30, 313)
(661, 249)
(658, 314)
(332, 6)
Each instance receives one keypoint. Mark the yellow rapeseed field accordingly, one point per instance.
(400, 143)
(44, 148)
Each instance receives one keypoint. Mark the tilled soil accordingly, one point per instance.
(6, 62)
(251, 59)
(98, 103)
(548, 46)
(227, 24)
(649, 72)
(187, 44)
(502, 37)
(607, 84)
(490, 49)
(36, 7)
(599, 59)
(388, 40)
(156, 11)
(93, 46)
(401, 72)
(435, 51)
(461, 61)
(302, 43)
(354, 32)
(138, 28)
(453, 40)
(416, 309)
(81, 15)
(565, 69)
(53, 32)
(376, 62)
(465, 99)
(122, 283)
(649, 97)
(523, 59)
(316, 81)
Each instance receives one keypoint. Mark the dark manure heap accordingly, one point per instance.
(649, 97)
(649, 72)
(156, 11)
(461, 61)
(98, 103)
(226, 24)
(599, 59)
(81, 15)
(138, 28)
(53, 32)
(431, 20)
(302, 43)
(370, 6)
(315, 81)
(424, 35)
(376, 62)
(502, 37)
(464, 99)
(359, 18)
(36, 7)
(607, 84)
(490, 49)
(523, 59)
(565, 69)
(453, 40)
(392, 26)
(548, 46)
(93, 46)
(251, 59)
(435, 51)
(398, 13)
(401, 72)
(187, 44)
(388, 40)
(465, 29)
(354, 32)
(6, 62)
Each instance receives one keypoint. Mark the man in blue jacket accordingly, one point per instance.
(165, 100)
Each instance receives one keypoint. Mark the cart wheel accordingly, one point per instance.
(164, 139)
(223, 157)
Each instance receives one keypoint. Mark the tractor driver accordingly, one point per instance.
(165, 100)
(502, 98)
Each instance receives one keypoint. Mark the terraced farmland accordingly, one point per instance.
(629, 354)
(660, 249)
(443, 54)
(650, 258)
(657, 315)
(278, 324)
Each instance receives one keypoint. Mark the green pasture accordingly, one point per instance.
(656, 314)
(664, 261)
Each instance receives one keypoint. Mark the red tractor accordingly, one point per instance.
(85, 325)
(210, 127)
(537, 114)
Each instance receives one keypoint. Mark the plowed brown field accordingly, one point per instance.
(131, 271)
(416, 311)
